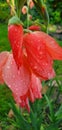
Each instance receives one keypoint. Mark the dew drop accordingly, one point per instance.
(35, 67)
(39, 48)
(8, 67)
(13, 76)
(15, 30)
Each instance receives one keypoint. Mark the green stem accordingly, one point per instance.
(27, 31)
(33, 120)
(27, 13)
(41, 7)
(19, 5)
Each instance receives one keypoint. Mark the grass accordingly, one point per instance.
(5, 93)
(4, 43)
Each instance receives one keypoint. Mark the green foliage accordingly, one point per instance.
(4, 12)
(4, 100)
(55, 11)
(4, 43)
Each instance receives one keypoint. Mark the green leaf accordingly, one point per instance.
(52, 117)
(21, 122)
(58, 114)
(42, 127)
(52, 127)
(19, 5)
(33, 117)
(15, 20)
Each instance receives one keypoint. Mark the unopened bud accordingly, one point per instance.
(31, 4)
(24, 9)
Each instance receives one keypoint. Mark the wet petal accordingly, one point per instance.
(35, 88)
(3, 58)
(52, 46)
(17, 79)
(22, 101)
(38, 58)
(1, 78)
(25, 102)
(15, 35)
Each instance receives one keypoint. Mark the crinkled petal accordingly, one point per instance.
(22, 101)
(3, 58)
(35, 88)
(52, 46)
(38, 58)
(25, 102)
(17, 79)
(34, 92)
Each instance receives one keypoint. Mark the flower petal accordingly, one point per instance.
(52, 46)
(15, 35)
(17, 79)
(22, 101)
(35, 88)
(38, 58)
(3, 58)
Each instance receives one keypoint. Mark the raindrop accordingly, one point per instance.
(39, 40)
(14, 42)
(39, 48)
(8, 67)
(13, 76)
(15, 30)
(35, 67)
(40, 52)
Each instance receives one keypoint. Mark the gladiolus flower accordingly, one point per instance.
(24, 85)
(36, 50)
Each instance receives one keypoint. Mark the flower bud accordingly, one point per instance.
(31, 4)
(24, 9)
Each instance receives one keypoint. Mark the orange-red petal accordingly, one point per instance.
(52, 46)
(37, 55)
(35, 88)
(15, 35)
(22, 101)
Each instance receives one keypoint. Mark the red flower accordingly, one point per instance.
(32, 58)
(38, 58)
(23, 84)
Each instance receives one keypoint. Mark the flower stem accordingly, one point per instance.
(27, 13)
